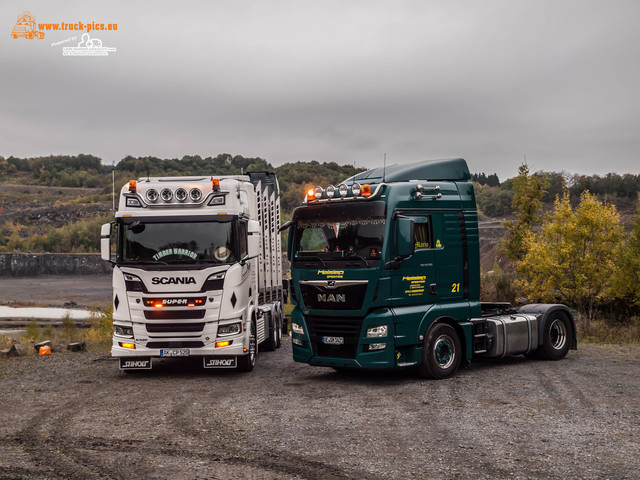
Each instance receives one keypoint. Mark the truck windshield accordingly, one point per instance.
(177, 242)
(349, 242)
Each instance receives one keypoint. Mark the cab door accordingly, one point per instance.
(414, 277)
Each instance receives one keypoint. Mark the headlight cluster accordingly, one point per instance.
(180, 194)
(331, 192)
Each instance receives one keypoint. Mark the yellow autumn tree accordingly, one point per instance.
(573, 258)
(627, 280)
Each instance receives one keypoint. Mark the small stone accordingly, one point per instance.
(77, 347)
(17, 350)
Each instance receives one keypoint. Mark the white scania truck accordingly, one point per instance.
(197, 270)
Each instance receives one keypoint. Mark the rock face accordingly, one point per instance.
(28, 264)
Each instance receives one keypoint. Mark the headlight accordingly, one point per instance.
(295, 328)
(380, 331)
(375, 346)
(230, 329)
(123, 331)
(181, 194)
(152, 195)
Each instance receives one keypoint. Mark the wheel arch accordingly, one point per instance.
(456, 326)
(544, 312)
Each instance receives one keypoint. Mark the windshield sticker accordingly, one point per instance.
(176, 251)
(343, 223)
(416, 285)
(332, 273)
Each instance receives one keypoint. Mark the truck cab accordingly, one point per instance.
(386, 261)
(189, 276)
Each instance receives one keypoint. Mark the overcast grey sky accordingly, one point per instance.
(332, 80)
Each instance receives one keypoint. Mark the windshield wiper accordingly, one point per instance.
(359, 257)
(145, 262)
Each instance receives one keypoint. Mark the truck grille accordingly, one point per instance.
(347, 328)
(187, 344)
(174, 327)
(174, 314)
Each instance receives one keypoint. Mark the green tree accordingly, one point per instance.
(574, 257)
(527, 203)
(627, 279)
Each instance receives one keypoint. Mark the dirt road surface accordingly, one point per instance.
(75, 415)
(56, 290)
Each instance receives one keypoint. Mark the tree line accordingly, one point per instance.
(578, 253)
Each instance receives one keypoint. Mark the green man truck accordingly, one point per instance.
(386, 274)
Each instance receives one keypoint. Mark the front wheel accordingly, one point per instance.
(556, 339)
(441, 352)
(248, 361)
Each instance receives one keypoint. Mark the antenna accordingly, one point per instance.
(384, 167)
(113, 187)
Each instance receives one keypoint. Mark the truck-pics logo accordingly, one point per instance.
(88, 47)
(26, 27)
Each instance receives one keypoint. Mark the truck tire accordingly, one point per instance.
(441, 352)
(278, 326)
(269, 345)
(248, 361)
(556, 338)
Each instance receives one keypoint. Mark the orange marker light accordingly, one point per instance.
(132, 186)
(366, 190)
(215, 184)
(131, 346)
(226, 343)
(158, 305)
(311, 194)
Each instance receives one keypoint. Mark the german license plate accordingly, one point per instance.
(333, 340)
(175, 352)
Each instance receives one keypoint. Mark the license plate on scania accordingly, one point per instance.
(175, 352)
(333, 340)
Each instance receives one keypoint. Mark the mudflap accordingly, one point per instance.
(135, 363)
(219, 361)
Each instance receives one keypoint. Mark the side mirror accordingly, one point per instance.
(105, 242)
(404, 237)
(253, 242)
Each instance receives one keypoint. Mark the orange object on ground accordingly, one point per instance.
(44, 350)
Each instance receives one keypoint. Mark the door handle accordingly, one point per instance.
(432, 289)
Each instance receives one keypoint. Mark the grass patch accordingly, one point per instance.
(601, 331)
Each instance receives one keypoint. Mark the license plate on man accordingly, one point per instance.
(333, 340)
(175, 352)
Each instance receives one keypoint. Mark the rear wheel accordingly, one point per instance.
(556, 338)
(441, 352)
(269, 345)
(278, 327)
(248, 361)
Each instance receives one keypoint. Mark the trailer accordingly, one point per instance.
(197, 270)
(386, 274)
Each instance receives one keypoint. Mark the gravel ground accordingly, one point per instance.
(75, 415)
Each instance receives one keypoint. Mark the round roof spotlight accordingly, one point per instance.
(181, 194)
(343, 190)
(331, 191)
(318, 192)
(152, 195)
(166, 194)
(356, 189)
(195, 194)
